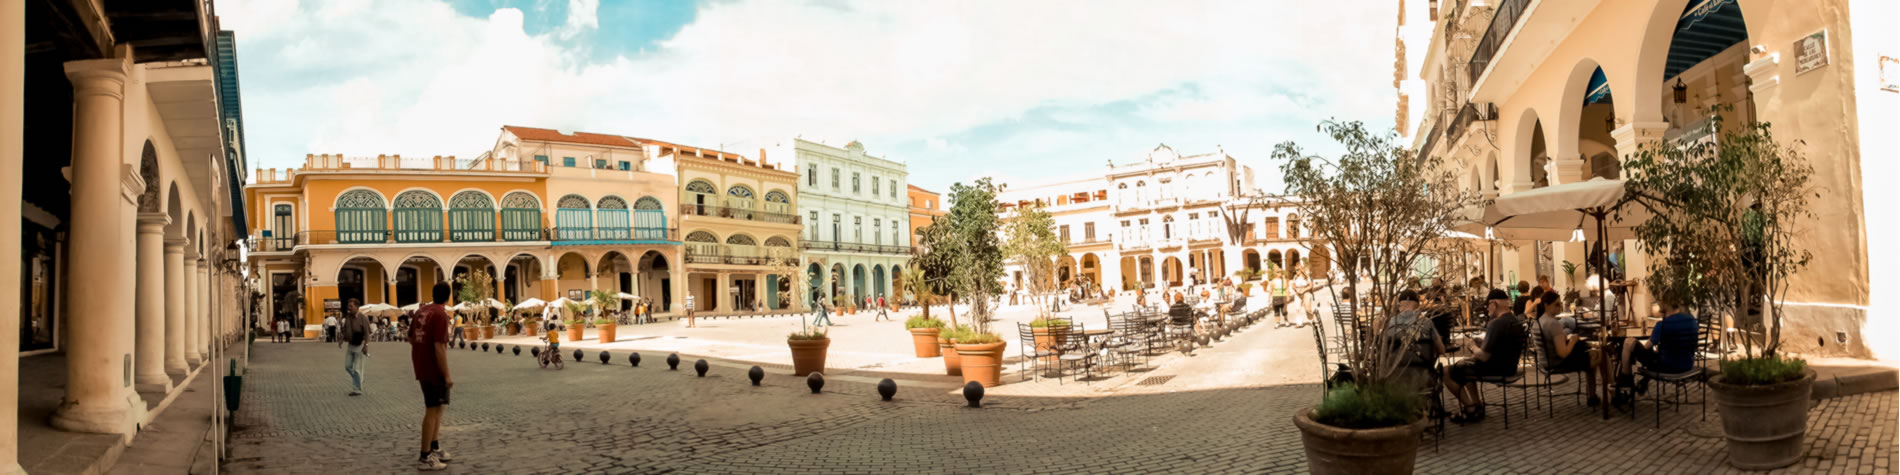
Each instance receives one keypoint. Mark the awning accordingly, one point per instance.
(234, 182)
(1599, 89)
(1706, 27)
(1558, 213)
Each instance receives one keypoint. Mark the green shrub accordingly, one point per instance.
(1353, 407)
(949, 334)
(812, 334)
(1048, 323)
(603, 321)
(921, 321)
(1763, 370)
(976, 338)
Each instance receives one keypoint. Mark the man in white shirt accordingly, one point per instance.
(329, 329)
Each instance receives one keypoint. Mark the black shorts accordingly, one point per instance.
(435, 393)
(1467, 371)
(1647, 357)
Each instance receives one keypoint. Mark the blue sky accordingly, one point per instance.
(1021, 91)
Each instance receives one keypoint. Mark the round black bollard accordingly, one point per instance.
(605, 357)
(973, 392)
(579, 356)
(673, 362)
(756, 374)
(517, 350)
(534, 351)
(499, 349)
(887, 388)
(461, 344)
(484, 347)
(633, 359)
(816, 381)
(700, 367)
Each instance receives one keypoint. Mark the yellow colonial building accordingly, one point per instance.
(741, 230)
(549, 214)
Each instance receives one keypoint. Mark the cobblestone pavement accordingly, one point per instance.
(510, 417)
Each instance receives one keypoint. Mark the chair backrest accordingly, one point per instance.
(1027, 335)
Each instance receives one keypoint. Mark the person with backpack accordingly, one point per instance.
(354, 331)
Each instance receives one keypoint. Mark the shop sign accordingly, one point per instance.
(1810, 52)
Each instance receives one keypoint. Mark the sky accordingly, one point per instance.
(1025, 92)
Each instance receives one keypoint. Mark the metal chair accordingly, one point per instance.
(1541, 362)
(1680, 381)
(1075, 350)
(1128, 341)
(1032, 356)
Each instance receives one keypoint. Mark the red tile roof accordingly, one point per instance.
(921, 189)
(587, 138)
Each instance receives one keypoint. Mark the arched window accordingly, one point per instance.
(740, 200)
(1167, 227)
(742, 250)
(360, 217)
(701, 194)
(703, 248)
(610, 219)
(418, 217)
(573, 219)
(520, 217)
(780, 250)
(778, 202)
(471, 217)
(649, 219)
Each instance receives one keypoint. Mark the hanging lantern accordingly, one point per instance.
(1681, 92)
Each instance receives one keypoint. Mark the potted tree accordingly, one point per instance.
(923, 335)
(576, 321)
(474, 290)
(1377, 208)
(604, 323)
(808, 350)
(1728, 212)
(981, 353)
(947, 346)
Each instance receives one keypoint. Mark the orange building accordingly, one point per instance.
(924, 206)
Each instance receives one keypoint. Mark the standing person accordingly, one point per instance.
(824, 315)
(1279, 299)
(329, 326)
(429, 354)
(881, 313)
(354, 331)
(283, 330)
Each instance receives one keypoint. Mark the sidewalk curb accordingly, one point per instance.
(1833, 382)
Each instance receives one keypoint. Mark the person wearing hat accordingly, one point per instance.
(1417, 341)
(1498, 356)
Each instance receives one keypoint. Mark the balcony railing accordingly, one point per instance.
(1431, 139)
(739, 255)
(372, 236)
(738, 213)
(1090, 241)
(1508, 12)
(854, 247)
(1466, 115)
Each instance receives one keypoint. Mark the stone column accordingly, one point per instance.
(175, 364)
(12, 115)
(1629, 140)
(205, 309)
(677, 278)
(151, 304)
(723, 293)
(759, 291)
(97, 394)
(193, 310)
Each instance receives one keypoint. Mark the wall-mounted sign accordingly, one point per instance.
(332, 304)
(1810, 52)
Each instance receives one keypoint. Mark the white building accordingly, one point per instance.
(1155, 222)
(857, 218)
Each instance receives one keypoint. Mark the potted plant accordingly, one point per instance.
(1246, 288)
(923, 335)
(1724, 241)
(808, 350)
(530, 326)
(1050, 333)
(605, 325)
(982, 357)
(576, 321)
(947, 345)
(475, 288)
(1378, 209)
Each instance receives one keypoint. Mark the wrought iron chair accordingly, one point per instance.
(1032, 356)
(1075, 350)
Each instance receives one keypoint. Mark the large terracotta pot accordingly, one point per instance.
(488, 332)
(514, 329)
(1050, 338)
(952, 363)
(982, 363)
(808, 356)
(1764, 424)
(531, 328)
(471, 332)
(607, 331)
(576, 332)
(1338, 450)
(924, 341)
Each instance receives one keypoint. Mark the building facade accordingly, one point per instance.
(857, 220)
(1525, 94)
(1162, 221)
(925, 205)
(540, 213)
(741, 231)
(124, 221)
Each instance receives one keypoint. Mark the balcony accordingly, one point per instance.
(739, 255)
(1431, 139)
(333, 163)
(506, 235)
(738, 213)
(1094, 241)
(1508, 12)
(833, 246)
(1467, 115)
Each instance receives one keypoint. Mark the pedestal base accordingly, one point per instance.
(106, 418)
(153, 383)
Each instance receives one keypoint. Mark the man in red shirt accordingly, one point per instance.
(429, 354)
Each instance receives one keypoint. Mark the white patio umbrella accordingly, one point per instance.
(1590, 210)
(411, 308)
(627, 296)
(492, 303)
(530, 305)
(379, 310)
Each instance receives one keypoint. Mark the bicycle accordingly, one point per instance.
(550, 355)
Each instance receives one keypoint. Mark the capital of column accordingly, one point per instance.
(176, 245)
(1569, 170)
(98, 77)
(153, 223)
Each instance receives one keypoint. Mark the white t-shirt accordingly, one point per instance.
(329, 321)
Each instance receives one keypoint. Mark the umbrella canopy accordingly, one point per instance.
(1558, 212)
(530, 305)
(379, 310)
(411, 308)
(627, 296)
(492, 303)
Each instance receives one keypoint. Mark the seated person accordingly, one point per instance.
(1416, 342)
(1671, 345)
(1181, 313)
(1503, 345)
(1523, 298)
(1563, 350)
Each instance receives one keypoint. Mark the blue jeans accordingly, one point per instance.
(823, 316)
(353, 364)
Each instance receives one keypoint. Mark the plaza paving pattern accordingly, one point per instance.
(508, 416)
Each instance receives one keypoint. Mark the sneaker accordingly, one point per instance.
(356, 393)
(430, 463)
(443, 455)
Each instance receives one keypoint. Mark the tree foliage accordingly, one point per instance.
(1727, 215)
(969, 247)
(1033, 245)
(1377, 206)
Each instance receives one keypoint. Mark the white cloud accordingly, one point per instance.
(415, 77)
